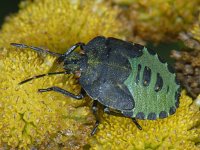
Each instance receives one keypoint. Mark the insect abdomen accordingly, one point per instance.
(152, 86)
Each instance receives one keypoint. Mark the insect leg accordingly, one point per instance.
(42, 75)
(136, 123)
(95, 109)
(62, 91)
(106, 110)
(69, 51)
(37, 49)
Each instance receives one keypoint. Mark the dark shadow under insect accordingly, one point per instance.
(72, 62)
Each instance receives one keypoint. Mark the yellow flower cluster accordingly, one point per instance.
(159, 20)
(60, 24)
(179, 131)
(30, 119)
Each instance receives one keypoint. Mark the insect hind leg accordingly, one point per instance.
(37, 49)
(137, 124)
(95, 112)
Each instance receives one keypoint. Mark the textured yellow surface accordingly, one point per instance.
(29, 119)
(59, 24)
(179, 131)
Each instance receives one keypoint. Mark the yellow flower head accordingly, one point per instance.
(30, 119)
(60, 24)
(179, 131)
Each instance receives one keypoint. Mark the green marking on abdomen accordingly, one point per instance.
(146, 99)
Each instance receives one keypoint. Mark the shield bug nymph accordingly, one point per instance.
(122, 76)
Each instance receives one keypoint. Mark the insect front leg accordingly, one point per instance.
(69, 51)
(42, 75)
(62, 91)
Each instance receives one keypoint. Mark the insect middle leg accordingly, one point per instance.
(62, 91)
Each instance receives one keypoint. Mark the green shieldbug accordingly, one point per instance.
(122, 76)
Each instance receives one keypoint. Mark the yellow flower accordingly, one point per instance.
(30, 119)
(179, 131)
(60, 24)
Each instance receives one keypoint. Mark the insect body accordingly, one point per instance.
(120, 75)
